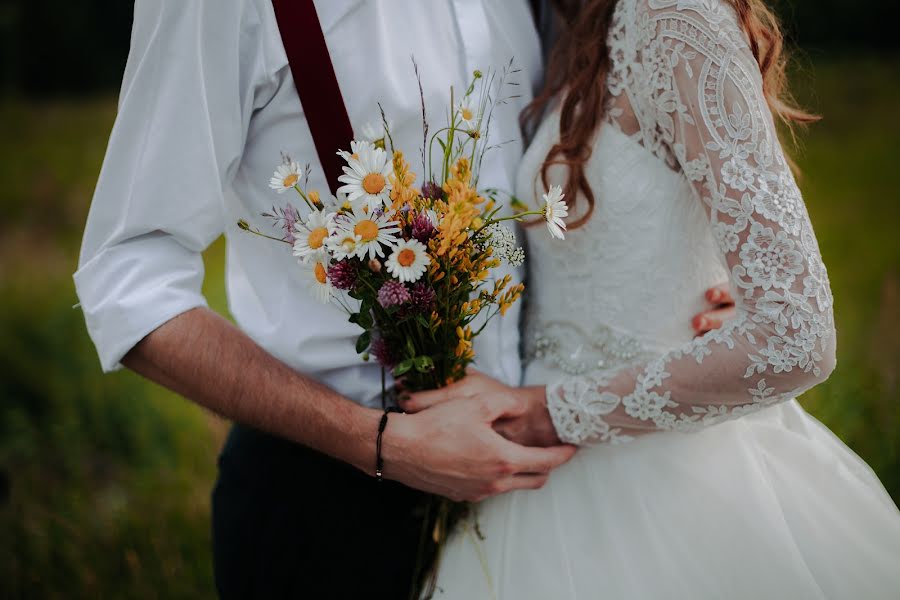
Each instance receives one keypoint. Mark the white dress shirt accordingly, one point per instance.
(207, 107)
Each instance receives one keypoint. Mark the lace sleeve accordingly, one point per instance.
(697, 95)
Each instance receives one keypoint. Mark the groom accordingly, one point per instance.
(208, 105)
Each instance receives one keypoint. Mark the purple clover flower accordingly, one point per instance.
(343, 274)
(422, 298)
(392, 293)
(383, 353)
(423, 228)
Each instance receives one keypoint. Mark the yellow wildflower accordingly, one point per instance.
(402, 191)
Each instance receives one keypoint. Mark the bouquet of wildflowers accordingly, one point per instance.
(413, 267)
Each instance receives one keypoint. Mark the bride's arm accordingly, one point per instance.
(711, 115)
(702, 103)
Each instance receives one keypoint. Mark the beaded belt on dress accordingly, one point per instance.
(576, 351)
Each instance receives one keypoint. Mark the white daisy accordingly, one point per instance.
(336, 204)
(286, 176)
(310, 234)
(375, 133)
(366, 176)
(316, 275)
(372, 230)
(409, 261)
(555, 210)
(467, 113)
(342, 244)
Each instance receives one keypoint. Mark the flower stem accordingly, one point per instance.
(515, 217)
(242, 224)
(305, 199)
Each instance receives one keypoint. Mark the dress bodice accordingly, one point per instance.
(625, 284)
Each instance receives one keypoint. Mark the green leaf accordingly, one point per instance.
(423, 364)
(363, 342)
(363, 317)
(403, 368)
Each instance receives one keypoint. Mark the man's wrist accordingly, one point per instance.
(395, 449)
(358, 448)
(361, 450)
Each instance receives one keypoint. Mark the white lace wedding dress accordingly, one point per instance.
(701, 476)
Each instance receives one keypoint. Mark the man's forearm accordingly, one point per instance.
(452, 451)
(205, 358)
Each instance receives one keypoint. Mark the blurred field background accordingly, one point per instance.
(105, 480)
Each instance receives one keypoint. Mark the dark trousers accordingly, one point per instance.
(289, 522)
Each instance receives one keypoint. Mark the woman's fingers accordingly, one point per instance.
(720, 294)
(722, 309)
(713, 319)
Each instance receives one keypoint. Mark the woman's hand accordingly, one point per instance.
(526, 422)
(721, 308)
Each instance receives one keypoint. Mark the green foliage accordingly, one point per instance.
(104, 480)
(108, 477)
(847, 162)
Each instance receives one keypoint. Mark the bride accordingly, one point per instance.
(700, 477)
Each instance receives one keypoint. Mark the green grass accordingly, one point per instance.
(849, 163)
(110, 475)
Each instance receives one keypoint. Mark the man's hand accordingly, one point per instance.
(721, 308)
(453, 450)
(526, 422)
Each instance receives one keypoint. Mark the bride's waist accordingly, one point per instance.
(575, 349)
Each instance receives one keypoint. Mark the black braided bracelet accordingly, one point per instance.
(379, 460)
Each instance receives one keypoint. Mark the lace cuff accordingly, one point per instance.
(578, 407)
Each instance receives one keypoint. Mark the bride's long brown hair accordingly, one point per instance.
(579, 63)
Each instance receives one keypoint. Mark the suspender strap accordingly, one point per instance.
(317, 85)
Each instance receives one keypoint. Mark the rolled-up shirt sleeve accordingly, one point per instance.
(183, 113)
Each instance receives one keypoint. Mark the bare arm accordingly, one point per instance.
(453, 452)
(205, 358)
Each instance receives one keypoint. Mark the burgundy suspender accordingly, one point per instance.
(317, 85)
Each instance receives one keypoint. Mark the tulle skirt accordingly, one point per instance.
(769, 506)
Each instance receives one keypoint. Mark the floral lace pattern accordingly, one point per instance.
(684, 83)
